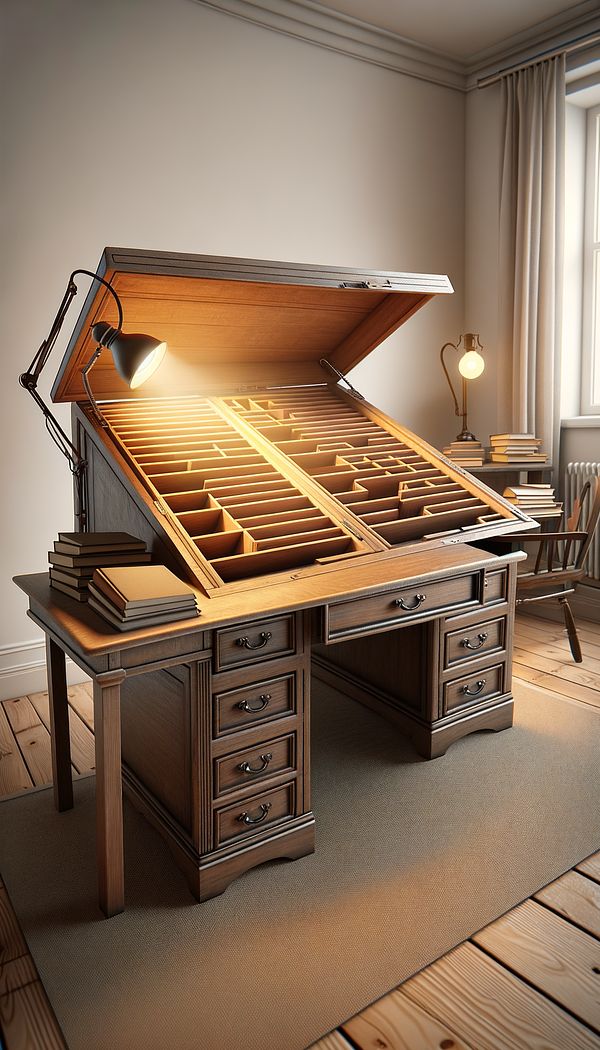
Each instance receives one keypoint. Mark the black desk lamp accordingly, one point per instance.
(136, 358)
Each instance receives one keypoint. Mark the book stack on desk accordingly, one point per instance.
(516, 448)
(536, 500)
(77, 554)
(140, 596)
(465, 453)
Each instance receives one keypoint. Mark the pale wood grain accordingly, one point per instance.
(551, 954)
(14, 775)
(82, 740)
(398, 1023)
(557, 637)
(590, 867)
(80, 699)
(492, 1009)
(574, 690)
(536, 661)
(32, 737)
(550, 656)
(332, 1041)
(21, 714)
(575, 897)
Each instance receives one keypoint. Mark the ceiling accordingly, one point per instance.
(461, 29)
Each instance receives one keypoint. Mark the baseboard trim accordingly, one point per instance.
(23, 669)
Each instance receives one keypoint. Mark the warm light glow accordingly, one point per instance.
(148, 366)
(471, 365)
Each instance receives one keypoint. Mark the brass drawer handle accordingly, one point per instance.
(263, 638)
(481, 639)
(473, 692)
(245, 818)
(264, 699)
(247, 768)
(419, 599)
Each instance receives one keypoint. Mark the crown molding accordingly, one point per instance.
(550, 35)
(317, 24)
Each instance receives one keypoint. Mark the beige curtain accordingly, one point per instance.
(531, 249)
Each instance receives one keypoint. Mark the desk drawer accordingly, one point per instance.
(255, 764)
(474, 641)
(251, 815)
(361, 615)
(249, 643)
(475, 688)
(254, 704)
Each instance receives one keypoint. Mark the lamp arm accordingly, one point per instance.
(84, 375)
(454, 346)
(29, 381)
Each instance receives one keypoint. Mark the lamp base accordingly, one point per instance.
(466, 435)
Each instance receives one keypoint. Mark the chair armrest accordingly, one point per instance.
(543, 537)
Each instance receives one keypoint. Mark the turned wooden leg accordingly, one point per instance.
(59, 726)
(571, 631)
(109, 792)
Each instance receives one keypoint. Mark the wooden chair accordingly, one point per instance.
(558, 563)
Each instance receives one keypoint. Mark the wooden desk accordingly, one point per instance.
(187, 751)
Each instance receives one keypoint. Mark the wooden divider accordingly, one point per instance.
(243, 516)
(393, 488)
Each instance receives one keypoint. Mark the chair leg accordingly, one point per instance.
(571, 631)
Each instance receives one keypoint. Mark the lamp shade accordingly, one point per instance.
(136, 356)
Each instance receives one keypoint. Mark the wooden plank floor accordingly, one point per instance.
(530, 980)
(25, 759)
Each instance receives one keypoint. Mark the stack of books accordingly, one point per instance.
(77, 554)
(140, 596)
(516, 448)
(465, 453)
(537, 500)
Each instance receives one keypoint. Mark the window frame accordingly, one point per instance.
(590, 355)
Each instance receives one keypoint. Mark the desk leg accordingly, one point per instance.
(59, 726)
(109, 793)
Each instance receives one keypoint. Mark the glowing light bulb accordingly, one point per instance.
(471, 365)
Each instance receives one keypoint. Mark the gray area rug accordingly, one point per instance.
(412, 857)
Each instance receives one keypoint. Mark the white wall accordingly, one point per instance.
(482, 197)
(163, 124)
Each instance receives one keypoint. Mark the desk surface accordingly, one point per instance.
(88, 633)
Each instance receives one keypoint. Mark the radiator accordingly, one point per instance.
(575, 478)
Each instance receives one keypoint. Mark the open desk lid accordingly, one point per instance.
(234, 324)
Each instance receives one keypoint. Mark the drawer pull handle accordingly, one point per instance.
(245, 818)
(481, 638)
(473, 692)
(264, 700)
(263, 638)
(419, 599)
(247, 768)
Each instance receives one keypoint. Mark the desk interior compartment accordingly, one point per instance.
(249, 457)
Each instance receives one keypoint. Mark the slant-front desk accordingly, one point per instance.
(317, 531)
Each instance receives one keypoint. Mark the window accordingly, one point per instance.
(590, 375)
